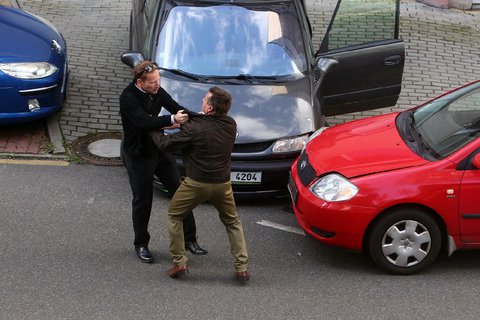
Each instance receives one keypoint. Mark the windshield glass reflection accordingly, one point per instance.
(447, 124)
(229, 40)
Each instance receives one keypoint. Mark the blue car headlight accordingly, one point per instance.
(28, 70)
(333, 187)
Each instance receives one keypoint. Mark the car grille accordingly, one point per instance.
(306, 173)
(251, 147)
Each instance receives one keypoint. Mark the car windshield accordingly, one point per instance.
(450, 122)
(229, 40)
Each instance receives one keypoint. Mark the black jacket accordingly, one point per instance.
(206, 142)
(139, 112)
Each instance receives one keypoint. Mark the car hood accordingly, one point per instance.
(25, 38)
(361, 147)
(262, 112)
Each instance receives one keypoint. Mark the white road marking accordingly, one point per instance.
(280, 227)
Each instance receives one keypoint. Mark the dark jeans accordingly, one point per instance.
(140, 171)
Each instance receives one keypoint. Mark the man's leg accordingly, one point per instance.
(188, 196)
(222, 199)
(167, 173)
(140, 173)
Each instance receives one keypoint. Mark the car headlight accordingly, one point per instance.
(333, 187)
(28, 70)
(290, 144)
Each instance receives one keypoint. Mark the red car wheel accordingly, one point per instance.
(404, 241)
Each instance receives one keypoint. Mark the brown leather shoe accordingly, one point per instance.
(177, 271)
(242, 276)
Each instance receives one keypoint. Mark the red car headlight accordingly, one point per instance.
(334, 187)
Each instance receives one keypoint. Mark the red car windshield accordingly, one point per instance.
(450, 122)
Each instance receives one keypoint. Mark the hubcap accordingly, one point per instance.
(406, 243)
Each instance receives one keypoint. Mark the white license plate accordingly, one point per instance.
(239, 177)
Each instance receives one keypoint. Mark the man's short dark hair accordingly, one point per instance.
(220, 100)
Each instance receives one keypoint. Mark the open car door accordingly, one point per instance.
(360, 62)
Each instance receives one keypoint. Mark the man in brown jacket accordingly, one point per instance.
(206, 142)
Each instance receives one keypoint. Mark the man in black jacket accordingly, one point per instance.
(140, 105)
(207, 142)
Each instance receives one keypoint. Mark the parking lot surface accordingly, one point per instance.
(442, 48)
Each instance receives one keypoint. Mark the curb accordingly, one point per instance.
(55, 134)
(32, 156)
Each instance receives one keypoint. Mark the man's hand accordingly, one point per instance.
(180, 117)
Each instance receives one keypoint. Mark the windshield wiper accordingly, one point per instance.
(184, 74)
(248, 78)
(411, 120)
(413, 129)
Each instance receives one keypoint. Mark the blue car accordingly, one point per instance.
(33, 67)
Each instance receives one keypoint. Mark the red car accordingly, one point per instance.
(400, 186)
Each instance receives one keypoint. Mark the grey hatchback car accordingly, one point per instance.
(261, 51)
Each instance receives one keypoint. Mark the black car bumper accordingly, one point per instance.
(273, 181)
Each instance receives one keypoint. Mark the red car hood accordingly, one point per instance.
(361, 147)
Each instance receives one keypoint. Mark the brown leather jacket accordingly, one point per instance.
(206, 142)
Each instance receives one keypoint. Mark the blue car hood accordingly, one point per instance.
(25, 38)
(262, 112)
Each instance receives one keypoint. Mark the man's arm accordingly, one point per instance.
(168, 102)
(130, 109)
(174, 141)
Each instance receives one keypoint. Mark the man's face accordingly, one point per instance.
(151, 83)
(206, 108)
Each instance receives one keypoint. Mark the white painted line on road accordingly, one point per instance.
(280, 227)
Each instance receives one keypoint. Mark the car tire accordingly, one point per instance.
(404, 241)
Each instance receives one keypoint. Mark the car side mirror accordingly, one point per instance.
(131, 59)
(476, 161)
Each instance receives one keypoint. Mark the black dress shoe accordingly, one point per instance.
(144, 254)
(194, 248)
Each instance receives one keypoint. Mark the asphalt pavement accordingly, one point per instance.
(66, 235)
(67, 253)
(442, 52)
